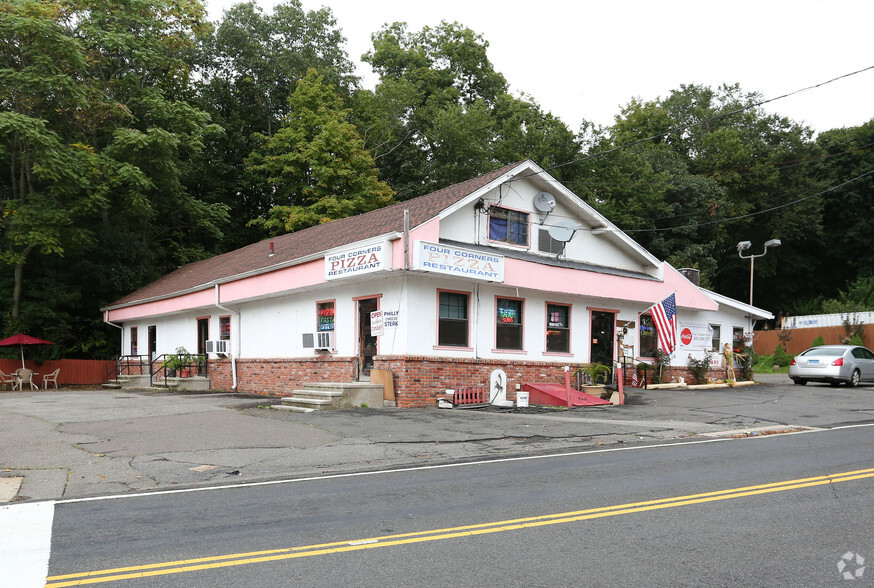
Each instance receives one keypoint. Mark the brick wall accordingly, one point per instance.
(418, 381)
(279, 377)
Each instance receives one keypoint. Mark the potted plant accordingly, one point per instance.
(180, 363)
(595, 379)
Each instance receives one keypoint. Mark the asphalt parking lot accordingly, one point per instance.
(78, 443)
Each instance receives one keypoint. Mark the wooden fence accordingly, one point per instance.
(80, 372)
(765, 342)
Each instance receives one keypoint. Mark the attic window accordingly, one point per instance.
(508, 226)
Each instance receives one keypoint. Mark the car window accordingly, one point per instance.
(859, 353)
(868, 353)
(824, 351)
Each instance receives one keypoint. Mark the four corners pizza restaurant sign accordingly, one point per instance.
(361, 259)
(456, 261)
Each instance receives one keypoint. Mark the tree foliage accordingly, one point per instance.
(316, 163)
(136, 137)
(98, 141)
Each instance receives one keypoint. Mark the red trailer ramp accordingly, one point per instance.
(555, 395)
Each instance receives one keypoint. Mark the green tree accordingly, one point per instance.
(442, 113)
(248, 66)
(98, 140)
(316, 162)
(709, 168)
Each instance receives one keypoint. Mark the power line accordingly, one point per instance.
(700, 122)
(734, 218)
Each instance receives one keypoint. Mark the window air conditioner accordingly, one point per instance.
(222, 346)
(320, 340)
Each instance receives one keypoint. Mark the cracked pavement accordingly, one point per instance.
(73, 444)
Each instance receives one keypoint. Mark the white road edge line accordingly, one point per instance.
(26, 543)
(424, 468)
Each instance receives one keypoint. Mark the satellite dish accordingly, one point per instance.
(563, 231)
(544, 202)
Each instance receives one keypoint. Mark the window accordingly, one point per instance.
(224, 328)
(508, 333)
(325, 312)
(737, 339)
(649, 337)
(715, 337)
(558, 328)
(546, 244)
(508, 226)
(453, 322)
(134, 343)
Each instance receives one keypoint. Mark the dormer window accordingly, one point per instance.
(508, 226)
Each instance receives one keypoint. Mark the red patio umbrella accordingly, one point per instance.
(21, 340)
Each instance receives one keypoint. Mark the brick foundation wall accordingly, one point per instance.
(419, 381)
(674, 373)
(279, 377)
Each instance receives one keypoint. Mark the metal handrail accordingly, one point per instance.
(182, 362)
(125, 364)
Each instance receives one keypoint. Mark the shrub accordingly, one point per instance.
(781, 357)
(818, 342)
(746, 362)
(856, 340)
(700, 367)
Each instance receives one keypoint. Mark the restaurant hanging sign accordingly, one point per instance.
(357, 260)
(457, 261)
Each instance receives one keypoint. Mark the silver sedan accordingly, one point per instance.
(834, 364)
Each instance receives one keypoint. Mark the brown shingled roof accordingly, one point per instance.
(313, 240)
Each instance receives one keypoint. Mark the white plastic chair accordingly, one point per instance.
(51, 378)
(8, 379)
(25, 376)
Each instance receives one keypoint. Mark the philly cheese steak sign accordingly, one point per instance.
(455, 261)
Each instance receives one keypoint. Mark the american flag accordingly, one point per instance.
(634, 381)
(664, 314)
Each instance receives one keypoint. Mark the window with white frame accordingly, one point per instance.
(737, 339)
(715, 337)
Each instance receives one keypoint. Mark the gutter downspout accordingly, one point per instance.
(233, 357)
(119, 327)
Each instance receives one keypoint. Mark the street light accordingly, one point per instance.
(743, 246)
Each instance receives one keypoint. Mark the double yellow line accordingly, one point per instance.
(239, 559)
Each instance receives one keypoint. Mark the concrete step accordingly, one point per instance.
(290, 408)
(313, 399)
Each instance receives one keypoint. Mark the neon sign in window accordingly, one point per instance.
(325, 312)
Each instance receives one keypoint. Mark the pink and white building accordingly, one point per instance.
(508, 270)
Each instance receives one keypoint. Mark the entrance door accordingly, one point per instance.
(153, 342)
(202, 334)
(601, 350)
(366, 341)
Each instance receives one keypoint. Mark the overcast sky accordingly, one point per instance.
(584, 59)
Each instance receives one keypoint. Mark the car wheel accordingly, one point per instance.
(799, 381)
(854, 379)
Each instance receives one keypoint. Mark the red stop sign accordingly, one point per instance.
(686, 336)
